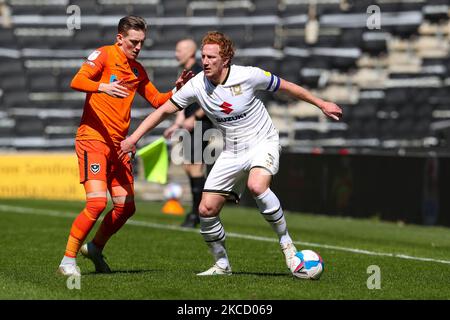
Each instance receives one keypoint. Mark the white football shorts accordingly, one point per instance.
(230, 171)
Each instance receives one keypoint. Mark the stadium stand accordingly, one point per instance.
(392, 82)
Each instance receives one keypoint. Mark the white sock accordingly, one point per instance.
(68, 260)
(214, 236)
(271, 210)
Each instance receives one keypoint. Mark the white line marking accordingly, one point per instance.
(54, 213)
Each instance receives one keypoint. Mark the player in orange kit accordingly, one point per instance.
(110, 76)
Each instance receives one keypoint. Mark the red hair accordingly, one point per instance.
(225, 44)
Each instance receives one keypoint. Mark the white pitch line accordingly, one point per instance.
(54, 213)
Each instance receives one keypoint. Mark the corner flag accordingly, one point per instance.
(156, 161)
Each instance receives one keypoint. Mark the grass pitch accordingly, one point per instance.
(152, 258)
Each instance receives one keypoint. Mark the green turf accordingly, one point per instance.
(156, 263)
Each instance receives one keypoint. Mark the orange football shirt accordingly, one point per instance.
(106, 118)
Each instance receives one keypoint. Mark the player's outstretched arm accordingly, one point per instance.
(330, 109)
(152, 120)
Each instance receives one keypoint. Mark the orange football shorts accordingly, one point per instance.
(100, 161)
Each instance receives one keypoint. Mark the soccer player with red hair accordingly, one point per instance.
(251, 153)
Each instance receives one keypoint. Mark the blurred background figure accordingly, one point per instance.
(188, 119)
(5, 14)
(312, 26)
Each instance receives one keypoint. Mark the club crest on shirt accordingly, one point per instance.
(95, 168)
(236, 90)
(136, 72)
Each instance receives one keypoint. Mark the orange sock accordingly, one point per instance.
(112, 222)
(83, 225)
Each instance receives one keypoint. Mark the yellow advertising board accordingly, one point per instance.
(40, 176)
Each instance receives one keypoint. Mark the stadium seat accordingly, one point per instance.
(202, 9)
(147, 10)
(309, 77)
(351, 38)
(436, 12)
(396, 95)
(118, 9)
(293, 8)
(237, 8)
(357, 6)
(10, 66)
(387, 129)
(265, 7)
(405, 129)
(13, 82)
(406, 31)
(7, 38)
(174, 8)
(329, 39)
(89, 38)
(294, 37)
(328, 7)
(198, 32)
(172, 34)
(109, 33)
(64, 81)
(16, 99)
(239, 34)
(61, 127)
(32, 41)
(267, 63)
(363, 111)
(261, 36)
(60, 42)
(375, 42)
(7, 127)
(87, 6)
(421, 128)
(43, 83)
(25, 9)
(54, 9)
(164, 78)
(412, 6)
(438, 96)
(389, 59)
(28, 126)
(290, 69)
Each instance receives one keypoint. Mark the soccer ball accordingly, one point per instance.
(307, 264)
(173, 191)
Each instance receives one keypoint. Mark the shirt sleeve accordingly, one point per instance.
(87, 78)
(185, 96)
(264, 80)
(149, 92)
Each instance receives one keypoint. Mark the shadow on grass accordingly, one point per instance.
(93, 273)
(262, 274)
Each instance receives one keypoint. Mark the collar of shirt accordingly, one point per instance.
(122, 57)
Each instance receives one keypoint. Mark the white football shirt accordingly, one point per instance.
(232, 106)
